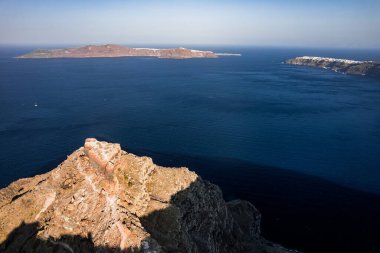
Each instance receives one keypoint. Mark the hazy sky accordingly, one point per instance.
(321, 23)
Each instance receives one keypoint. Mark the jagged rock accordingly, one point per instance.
(105, 155)
(103, 199)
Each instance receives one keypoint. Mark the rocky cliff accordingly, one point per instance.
(103, 199)
(109, 50)
(339, 65)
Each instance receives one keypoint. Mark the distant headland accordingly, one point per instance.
(365, 68)
(109, 50)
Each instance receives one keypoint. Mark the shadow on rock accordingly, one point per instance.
(195, 219)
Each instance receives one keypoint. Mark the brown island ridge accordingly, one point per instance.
(109, 50)
(103, 199)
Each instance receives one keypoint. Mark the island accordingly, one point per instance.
(104, 199)
(109, 50)
(352, 67)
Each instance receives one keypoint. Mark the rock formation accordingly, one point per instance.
(103, 199)
(109, 50)
(339, 65)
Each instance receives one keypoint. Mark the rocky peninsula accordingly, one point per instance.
(103, 199)
(109, 50)
(365, 68)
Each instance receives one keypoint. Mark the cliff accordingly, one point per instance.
(103, 199)
(93, 51)
(352, 67)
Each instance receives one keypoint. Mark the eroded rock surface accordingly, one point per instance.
(103, 199)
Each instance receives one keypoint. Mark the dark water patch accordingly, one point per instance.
(300, 211)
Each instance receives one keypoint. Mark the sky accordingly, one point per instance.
(294, 23)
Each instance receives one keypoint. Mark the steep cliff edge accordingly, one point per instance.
(367, 68)
(103, 199)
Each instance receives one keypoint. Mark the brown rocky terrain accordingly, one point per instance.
(103, 199)
(365, 68)
(93, 51)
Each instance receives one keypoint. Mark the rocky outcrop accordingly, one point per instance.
(103, 199)
(109, 50)
(352, 67)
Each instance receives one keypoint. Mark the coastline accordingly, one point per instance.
(111, 50)
(344, 66)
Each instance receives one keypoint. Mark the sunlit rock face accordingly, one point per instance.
(105, 155)
(103, 199)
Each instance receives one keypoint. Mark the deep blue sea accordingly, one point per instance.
(303, 144)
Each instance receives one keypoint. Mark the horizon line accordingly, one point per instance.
(176, 45)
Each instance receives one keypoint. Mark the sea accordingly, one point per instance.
(302, 144)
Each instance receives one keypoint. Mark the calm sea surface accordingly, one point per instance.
(262, 130)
